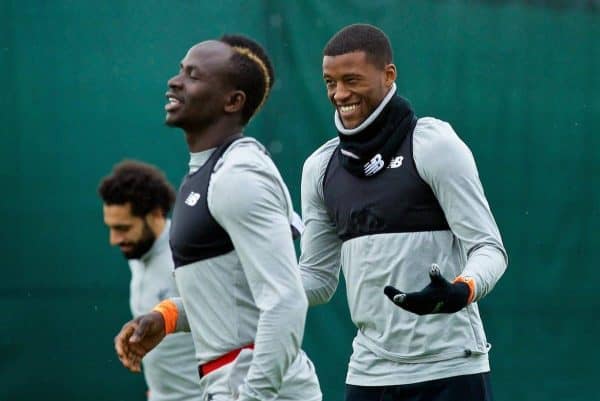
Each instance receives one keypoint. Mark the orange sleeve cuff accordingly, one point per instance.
(470, 282)
(169, 312)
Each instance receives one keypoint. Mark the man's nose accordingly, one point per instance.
(341, 93)
(175, 81)
(115, 238)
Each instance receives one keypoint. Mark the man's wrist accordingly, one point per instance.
(168, 310)
(469, 282)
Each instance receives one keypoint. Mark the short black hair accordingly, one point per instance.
(361, 37)
(247, 73)
(141, 184)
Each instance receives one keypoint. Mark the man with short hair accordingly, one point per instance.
(136, 201)
(395, 200)
(231, 238)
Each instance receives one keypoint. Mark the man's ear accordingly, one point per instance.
(390, 74)
(155, 219)
(157, 213)
(235, 101)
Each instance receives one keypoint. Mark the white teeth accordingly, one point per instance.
(173, 100)
(348, 108)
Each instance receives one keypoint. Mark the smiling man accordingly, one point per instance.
(396, 200)
(231, 238)
(136, 200)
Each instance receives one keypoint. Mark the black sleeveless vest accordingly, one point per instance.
(396, 200)
(194, 234)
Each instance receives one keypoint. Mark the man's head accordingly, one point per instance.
(358, 71)
(226, 78)
(136, 199)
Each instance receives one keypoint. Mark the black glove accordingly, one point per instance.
(440, 296)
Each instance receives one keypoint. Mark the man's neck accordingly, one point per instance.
(212, 136)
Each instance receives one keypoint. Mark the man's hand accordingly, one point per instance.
(440, 296)
(137, 338)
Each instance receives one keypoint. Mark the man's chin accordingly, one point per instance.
(139, 248)
(135, 253)
(130, 255)
(351, 124)
(171, 122)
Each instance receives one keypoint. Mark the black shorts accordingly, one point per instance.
(458, 388)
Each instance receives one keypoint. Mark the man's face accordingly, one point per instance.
(355, 85)
(197, 94)
(131, 233)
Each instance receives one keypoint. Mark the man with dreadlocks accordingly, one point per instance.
(396, 200)
(231, 239)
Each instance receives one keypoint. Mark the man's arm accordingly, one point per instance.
(448, 166)
(247, 200)
(320, 245)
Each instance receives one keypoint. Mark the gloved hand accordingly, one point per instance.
(440, 296)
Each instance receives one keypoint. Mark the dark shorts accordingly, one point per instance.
(459, 388)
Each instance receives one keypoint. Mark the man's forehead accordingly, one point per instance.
(353, 60)
(208, 51)
(117, 211)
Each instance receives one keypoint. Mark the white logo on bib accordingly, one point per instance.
(192, 199)
(396, 162)
(374, 165)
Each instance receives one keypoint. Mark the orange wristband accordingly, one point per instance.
(469, 281)
(169, 312)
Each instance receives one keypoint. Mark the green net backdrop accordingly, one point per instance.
(83, 87)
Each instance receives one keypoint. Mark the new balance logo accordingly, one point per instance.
(396, 162)
(374, 165)
(192, 199)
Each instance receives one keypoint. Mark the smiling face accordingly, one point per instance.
(355, 85)
(198, 94)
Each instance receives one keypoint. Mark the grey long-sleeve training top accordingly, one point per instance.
(393, 346)
(254, 293)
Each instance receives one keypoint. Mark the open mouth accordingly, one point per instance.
(348, 109)
(172, 103)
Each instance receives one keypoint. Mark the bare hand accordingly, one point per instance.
(137, 338)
